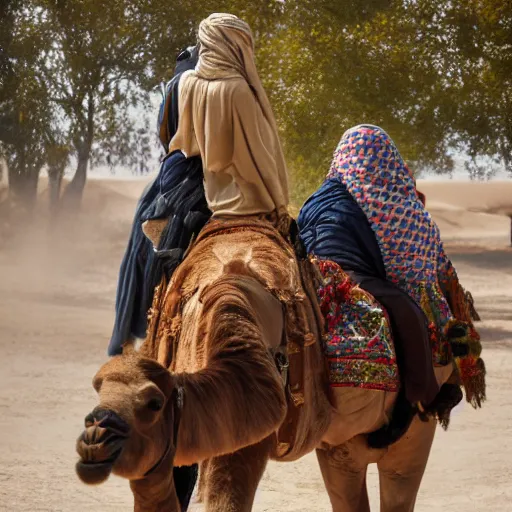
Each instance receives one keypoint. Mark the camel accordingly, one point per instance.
(204, 387)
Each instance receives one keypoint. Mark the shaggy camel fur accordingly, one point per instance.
(217, 395)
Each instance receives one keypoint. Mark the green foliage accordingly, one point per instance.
(26, 115)
(98, 57)
(436, 75)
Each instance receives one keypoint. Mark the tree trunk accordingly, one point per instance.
(72, 195)
(55, 175)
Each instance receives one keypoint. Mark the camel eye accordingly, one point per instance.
(155, 404)
(150, 400)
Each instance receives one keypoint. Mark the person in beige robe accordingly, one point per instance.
(226, 118)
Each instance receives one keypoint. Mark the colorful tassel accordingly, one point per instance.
(472, 374)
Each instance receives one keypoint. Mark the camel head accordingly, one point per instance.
(133, 430)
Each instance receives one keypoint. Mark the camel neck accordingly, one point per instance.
(155, 493)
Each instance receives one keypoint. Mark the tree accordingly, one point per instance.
(344, 64)
(8, 10)
(80, 92)
(483, 33)
(436, 75)
(101, 55)
(26, 113)
(57, 159)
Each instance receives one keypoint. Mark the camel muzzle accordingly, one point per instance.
(100, 445)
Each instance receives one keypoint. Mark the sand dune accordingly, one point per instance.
(463, 210)
(491, 197)
(474, 213)
(57, 290)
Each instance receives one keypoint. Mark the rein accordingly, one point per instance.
(177, 409)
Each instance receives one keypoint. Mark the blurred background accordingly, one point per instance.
(78, 78)
(78, 144)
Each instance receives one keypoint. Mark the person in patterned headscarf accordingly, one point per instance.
(369, 218)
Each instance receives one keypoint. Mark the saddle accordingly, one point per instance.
(252, 251)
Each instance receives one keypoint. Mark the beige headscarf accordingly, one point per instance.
(225, 116)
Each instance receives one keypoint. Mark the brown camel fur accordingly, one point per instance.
(205, 387)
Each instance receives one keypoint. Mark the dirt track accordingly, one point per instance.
(56, 305)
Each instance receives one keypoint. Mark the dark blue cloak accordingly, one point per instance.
(333, 226)
(178, 195)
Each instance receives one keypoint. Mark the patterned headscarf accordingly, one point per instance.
(369, 164)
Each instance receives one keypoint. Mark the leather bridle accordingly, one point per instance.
(177, 405)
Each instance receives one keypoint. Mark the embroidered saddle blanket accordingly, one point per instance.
(358, 343)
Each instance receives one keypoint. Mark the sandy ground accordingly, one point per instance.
(56, 300)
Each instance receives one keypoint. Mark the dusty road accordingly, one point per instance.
(56, 301)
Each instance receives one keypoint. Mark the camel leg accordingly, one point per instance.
(344, 472)
(401, 468)
(230, 481)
